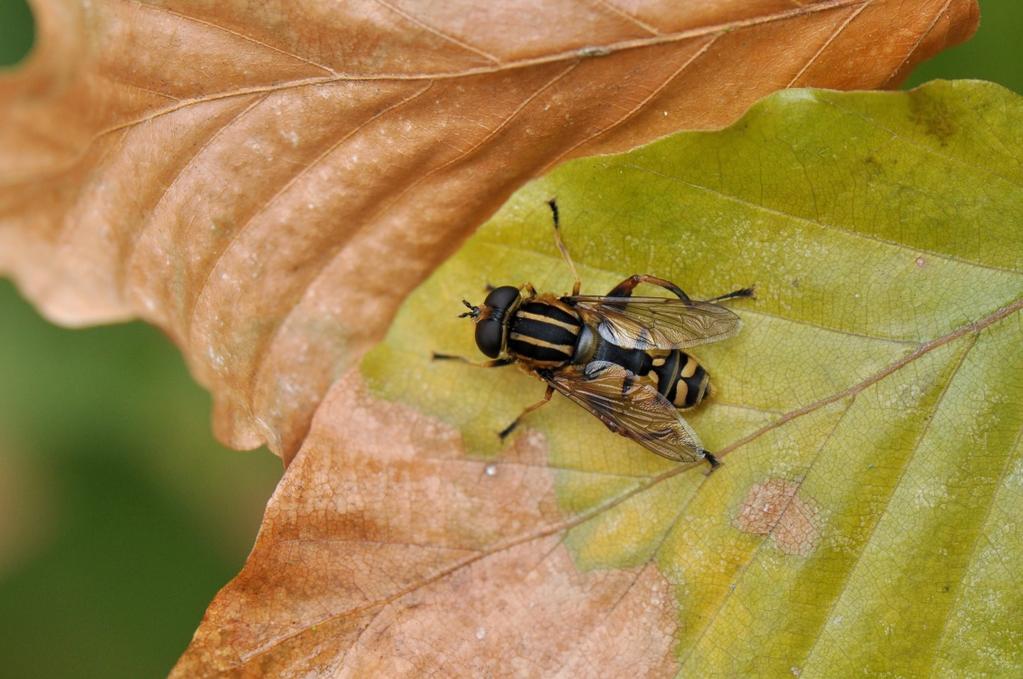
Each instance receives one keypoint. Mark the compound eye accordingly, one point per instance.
(488, 336)
(501, 298)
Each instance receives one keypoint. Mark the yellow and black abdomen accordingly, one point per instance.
(544, 333)
(676, 375)
(680, 378)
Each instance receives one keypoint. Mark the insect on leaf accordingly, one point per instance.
(869, 417)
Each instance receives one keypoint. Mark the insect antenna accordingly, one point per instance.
(473, 312)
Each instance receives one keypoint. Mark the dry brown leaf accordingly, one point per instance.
(379, 574)
(267, 181)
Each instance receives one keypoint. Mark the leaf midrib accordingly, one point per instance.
(563, 55)
(335, 77)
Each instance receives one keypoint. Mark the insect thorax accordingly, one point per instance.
(544, 332)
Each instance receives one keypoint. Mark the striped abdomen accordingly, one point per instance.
(544, 333)
(675, 374)
(679, 378)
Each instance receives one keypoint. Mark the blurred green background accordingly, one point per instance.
(120, 516)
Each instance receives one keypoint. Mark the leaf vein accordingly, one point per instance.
(475, 147)
(847, 577)
(750, 312)
(141, 231)
(916, 45)
(638, 107)
(827, 43)
(951, 160)
(631, 18)
(974, 548)
(767, 536)
(447, 37)
(382, 543)
(305, 169)
(237, 34)
(823, 225)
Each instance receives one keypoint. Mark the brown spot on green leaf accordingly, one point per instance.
(774, 509)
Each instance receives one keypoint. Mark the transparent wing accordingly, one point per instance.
(658, 322)
(630, 408)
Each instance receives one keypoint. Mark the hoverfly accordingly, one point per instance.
(620, 357)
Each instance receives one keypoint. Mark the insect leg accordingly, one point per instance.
(714, 462)
(625, 288)
(546, 398)
(496, 363)
(734, 294)
(561, 246)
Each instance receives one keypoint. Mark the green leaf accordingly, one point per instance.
(869, 515)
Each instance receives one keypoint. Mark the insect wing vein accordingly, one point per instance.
(658, 322)
(632, 408)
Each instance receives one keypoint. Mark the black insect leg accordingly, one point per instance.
(714, 462)
(734, 294)
(496, 363)
(511, 427)
(625, 288)
(561, 246)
